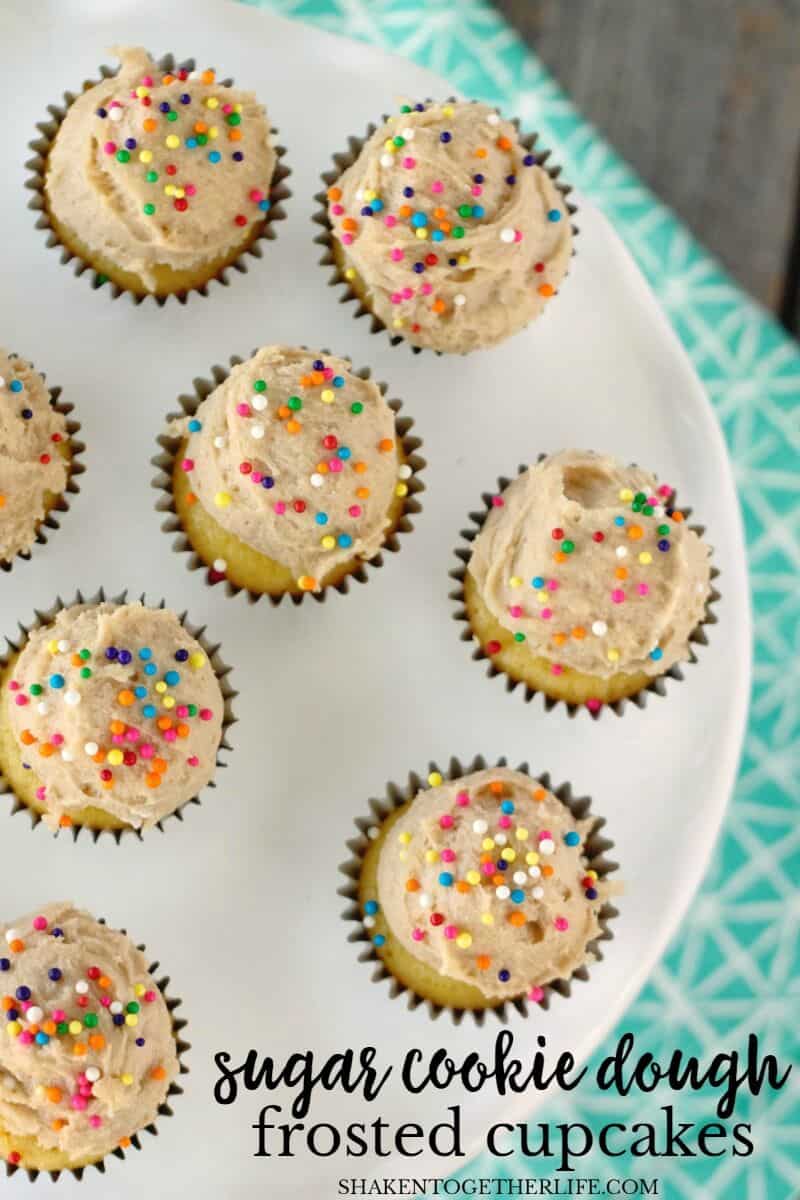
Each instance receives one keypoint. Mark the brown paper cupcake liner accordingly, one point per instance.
(221, 670)
(597, 847)
(165, 462)
(657, 685)
(344, 159)
(164, 1109)
(37, 167)
(74, 468)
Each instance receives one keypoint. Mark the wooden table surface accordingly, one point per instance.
(702, 97)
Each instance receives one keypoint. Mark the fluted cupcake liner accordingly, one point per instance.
(164, 1109)
(37, 169)
(165, 462)
(74, 468)
(220, 668)
(395, 796)
(657, 685)
(344, 159)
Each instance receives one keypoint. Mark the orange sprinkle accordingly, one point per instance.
(440, 213)
(322, 467)
(517, 919)
(182, 730)
(579, 633)
(496, 787)
(334, 193)
(498, 879)
(108, 783)
(307, 583)
(148, 125)
(559, 556)
(362, 493)
(293, 426)
(159, 765)
(559, 638)
(191, 498)
(124, 1143)
(208, 76)
(46, 750)
(8, 1003)
(438, 306)
(503, 142)
(200, 127)
(463, 887)
(317, 378)
(412, 885)
(677, 516)
(53, 1094)
(481, 152)
(168, 79)
(349, 224)
(27, 738)
(446, 226)
(158, 1073)
(58, 1124)
(621, 573)
(104, 982)
(360, 467)
(234, 135)
(76, 660)
(99, 757)
(50, 1028)
(547, 871)
(153, 780)
(97, 1041)
(540, 794)
(546, 289)
(284, 411)
(404, 210)
(164, 723)
(117, 727)
(483, 962)
(635, 532)
(126, 698)
(65, 822)
(17, 945)
(386, 444)
(79, 1049)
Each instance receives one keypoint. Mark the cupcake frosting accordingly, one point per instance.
(486, 880)
(299, 458)
(31, 466)
(155, 169)
(88, 1053)
(453, 227)
(586, 562)
(115, 706)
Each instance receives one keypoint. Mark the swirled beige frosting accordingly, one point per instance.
(30, 463)
(586, 561)
(152, 169)
(486, 880)
(88, 1051)
(115, 706)
(298, 457)
(456, 233)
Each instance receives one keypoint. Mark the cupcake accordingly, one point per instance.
(91, 1051)
(483, 889)
(111, 717)
(36, 457)
(585, 582)
(447, 227)
(158, 178)
(290, 475)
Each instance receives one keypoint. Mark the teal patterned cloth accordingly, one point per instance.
(736, 966)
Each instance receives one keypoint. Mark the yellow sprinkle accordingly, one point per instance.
(464, 941)
(349, 273)
(145, 156)
(212, 102)
(131, 1019)
(463, 260)
(172, 141)
(115, 757)
(431, 856)
(404, 838)
(401, 489)
(447, 111)
(13, 1028)
(434, 779)
(179, 193)
(169, 702)
(398, 323)
(327, 396)
(139, 989)
(369, 195)
(473, 877)
(403, 855)
(613, 655)
(222, 499)
(169, 190)
(197, 660)
(645, 559)
(328, 542)
(52, 646)
(487, 844)
(509, 855)
(531, 858)
(237, 107)
(422, 233)
(161, 687)
(592, 874)
(142, 91)
(213, 132)
(390, 146)
(626, 494)
(487, 919)
(75, 1028)
(515, 581)
(126, 1079)
(521, 835)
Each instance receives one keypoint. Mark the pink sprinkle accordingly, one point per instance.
(462, 799)
(187, 464)
(536, 994)
(82, 1078)
(561, 923)
(594, 705)
(450, 932)
(618, 596)
(85, 1090)
(552, 585)
(515, 610)
(105, 1001)
(546, 614)
(335, 465)
(280, 507)
(148, 80)
(79, 1102)
(95, 1121)
(41, 793)
(517, 235)
(409, 163)
(557, 669)
(227, 108)
(147, 750)
(504, 822)
(544, 835)
(408, 293)
(13, 686)
(396, 298)
(40, 922)
(117, 739)
(418, 934)
(26, 1004)
(448, 856)
(21, 700)
(149, 996)
(328, 372)
(437, 186)
(132, 735)
(256, 476)
(256, 196)
(25, 1038)
(347, 238)
(337, 209)
(396, 255)
(477, 190)
(426, 289)
(206, 714)
(170, 735)
(110, 147)
(390, 221)
(59, 1014)
(243, 410)
(182, 711)
(193, 760)
(665, 490)
(354, 510)
(497, 501)
(446, 821)
(190, 189)
(642, 589)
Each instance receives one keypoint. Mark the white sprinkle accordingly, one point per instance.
(193, 75)
(534, 872)
(219, 443)
(93, 1074)
(502, 892)
(2, 382)
(316, 480)
(220, 566)
(81, 987)
(547, 846)
(116, 114)
(11, 935)
(62, 646)
(359, 193)
(368, 922)
(408, 133)
(506, 235)
(257, 431)
(459, 299)
(67, 756)
(599, 628)
(537, 893)
(405, 471)
(493, 119)
(425, 900)
(116, 1007)
(259, 403)
(500, 839)
(34, 1015)
(42, 708)
(622, 551)
(520, 877)
(658, 510)
(387, 160)
(373, 832)
(72, 698)
(479, 826)
(91, 749)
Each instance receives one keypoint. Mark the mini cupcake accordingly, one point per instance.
(290, 475)
(157, 177)
(484, 889)
(585, 582)
(446, 226)
(36, 457)
(111, 717)
(91, 1052)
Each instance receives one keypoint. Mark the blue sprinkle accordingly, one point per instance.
(478, 210)
(344, 540)
(554, 215)
(171, 678)
(150, 669)
(130, 143)
(408, 192)
(529, 160)
(56, 681)
(57, 933)
(663, 545)
(42, 1039)
(378, 940)
(145, 653)
(572, 838)
(445, 137)
(377, 205)
(125, 657)
(267, 482)
(446, 879)
(517, 896)
(537, 581)
(591, 893)
(5, 964)
(15, 385)
(419, 220)
(149, 710)
(321, 518)
(140, 692)
(191, 143)
(371, 908)
(23, 993)
(214, 156)
(338, 381)
(507, 806)
(656, 654)
(437, 236)
(265, 205)
(237, 156)
(619, 520)
(504, 975)
(345, 452)
(181, 655)
(511, 180)
(195, 426)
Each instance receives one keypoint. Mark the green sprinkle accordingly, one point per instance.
(458, 231)
(149, 209)
(86, 673)
(519, 637)
(202, 138)
(465, 210)
(295, 403)
(357, 407)
(90, 1020)
(259, 386)
(398, 141)
(151, 176)
(663, 529)
(234, 118)
(568, 546)
(123, 156)
(172, 116)
(133, 1007)
(36, 689)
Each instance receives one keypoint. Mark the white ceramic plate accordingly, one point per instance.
(239, 903)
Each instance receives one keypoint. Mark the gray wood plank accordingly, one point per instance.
(702, 97)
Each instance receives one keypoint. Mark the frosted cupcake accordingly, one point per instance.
(36, 454)
(158, 178)
(584, 581)
(111, 716)
(447, 227)
(89, 1054)
(291, 474)
(481, 890)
